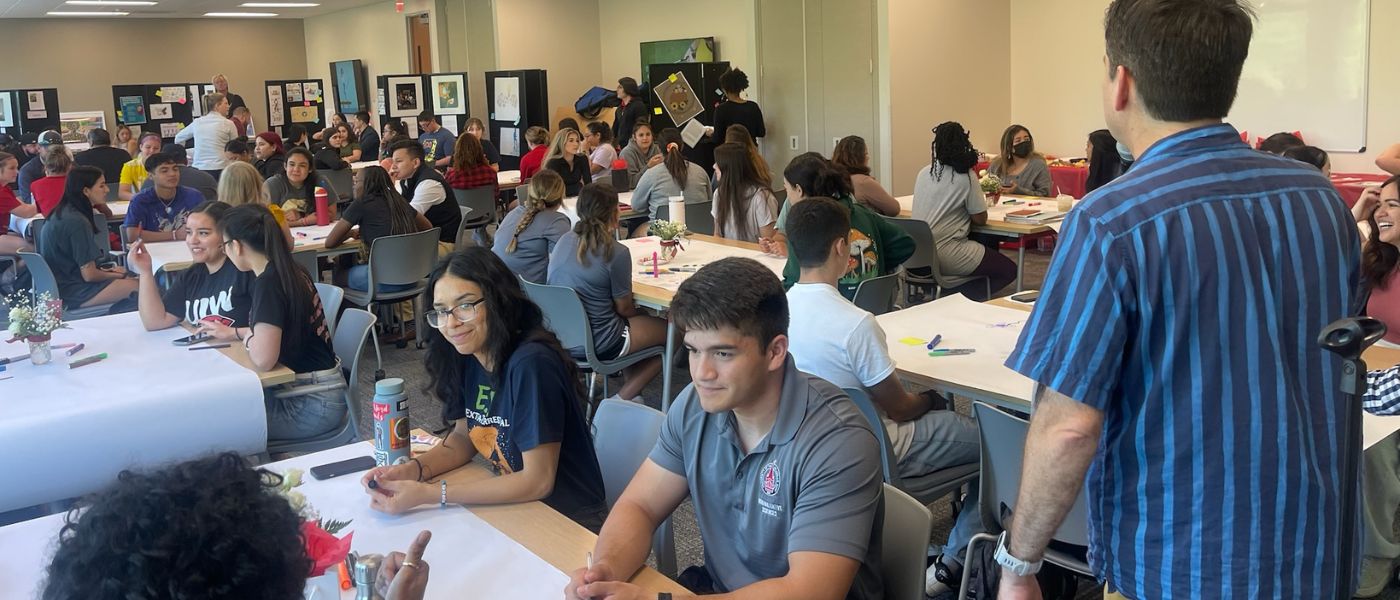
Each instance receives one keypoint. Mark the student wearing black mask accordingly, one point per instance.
(1022, 170)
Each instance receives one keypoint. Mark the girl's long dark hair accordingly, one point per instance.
(1379, 259)
(253, 226)
(671, 146)
(377, 184)
(511, 319)
(737, 183)
(74, 198)
(850, 155)
(811, 172)
(597, 205)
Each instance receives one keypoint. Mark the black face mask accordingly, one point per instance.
(1022, 149)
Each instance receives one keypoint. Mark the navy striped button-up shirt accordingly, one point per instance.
(1184, 301)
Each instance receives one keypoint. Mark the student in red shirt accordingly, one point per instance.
(47, 190)
(538, 139)
(10, 244)
(470, 167)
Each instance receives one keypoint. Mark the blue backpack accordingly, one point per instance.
(593, 101)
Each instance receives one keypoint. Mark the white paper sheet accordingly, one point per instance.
(197, 106)
(449, 122)
(694, 254)
(692, 132)
(161, 111)
(507, 101)
(168, 130)
(275, 117)
(35, 100)
(7, 111)
(510, 141)
(172, 93)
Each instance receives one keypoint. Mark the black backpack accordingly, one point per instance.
(1055, 583)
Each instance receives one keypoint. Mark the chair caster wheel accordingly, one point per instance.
(379, 374)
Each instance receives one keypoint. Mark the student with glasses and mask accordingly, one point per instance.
(1022, 170)
(510, 393)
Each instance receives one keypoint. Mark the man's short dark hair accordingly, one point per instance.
(812, 225)
(363, 116)
(414, 148)
(209, 528)
(159, 159)
(237, 146)
(98, 136)
(1185, 55)
(1280, 142)
(425, 116)
(733, 292)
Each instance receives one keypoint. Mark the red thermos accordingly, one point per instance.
(323, 207)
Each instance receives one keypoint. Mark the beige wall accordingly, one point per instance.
(1055, 88)
(84, 58)
(625, 24)
(374, 34)
(948, 61)
(559, 36)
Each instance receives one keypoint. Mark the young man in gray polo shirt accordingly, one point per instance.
(783, 469)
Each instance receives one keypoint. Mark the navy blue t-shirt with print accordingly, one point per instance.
(535, 403)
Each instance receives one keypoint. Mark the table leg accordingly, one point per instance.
(667, 367)
(1020, 263)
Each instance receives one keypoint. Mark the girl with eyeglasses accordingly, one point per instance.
(510, 393)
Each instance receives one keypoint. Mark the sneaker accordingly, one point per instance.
(942, 578)
(1375, 574)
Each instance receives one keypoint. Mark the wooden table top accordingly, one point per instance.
(239, 354)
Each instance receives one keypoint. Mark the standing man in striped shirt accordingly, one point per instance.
(1174, 346)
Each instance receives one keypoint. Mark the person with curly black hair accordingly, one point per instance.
(736, 109)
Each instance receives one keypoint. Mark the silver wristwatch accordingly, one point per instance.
(1015, 565)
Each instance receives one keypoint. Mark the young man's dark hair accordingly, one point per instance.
(165, 158)
(812, 225)
(237, 146)
(1280, 142)
(568, 123)
(363, 117)
(414, 148)
(734, 292)
(99, 137)
(1180, 82)
(425, 116)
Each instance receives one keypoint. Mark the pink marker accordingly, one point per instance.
(654, 261)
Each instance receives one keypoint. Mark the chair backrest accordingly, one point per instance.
(888, 465)
(482, 202)
(925, 250)
(349, 344)
(564, 315)
(1003, 438)
(623, 435)
(876, 295)
(904, 545)
(308, 260)
(40, 273)
(343, 181)
(331, 298)
(697, 217)
(402, 259)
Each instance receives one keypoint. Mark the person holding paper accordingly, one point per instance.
(736, 110)
(295, 189)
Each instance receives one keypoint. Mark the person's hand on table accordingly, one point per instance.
(399, 472)
(612, 590)
(584, 576)
(768, 246)
(1366, 205)
(217, 330)
(138, 259)
(405, 576)
(1015, 587)
(397, 489)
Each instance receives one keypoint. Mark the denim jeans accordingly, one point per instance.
(302, 408)
(357, 278)
(943, 439)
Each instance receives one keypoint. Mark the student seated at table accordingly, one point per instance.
(509, 392)
(214, 528)
(529, 232)
(190, 177)
(1022, 170)
(47, 190)
(743, 207)
(437, 142)
(124, 139)
(103, 155)
(592, 262)
(157, 214)
(33, 170)
(366, 135)
(241, 184)
(1106, 160)
(377, 211)
(85, 275)
(294, 136)
(394, 131)
(640, 153)
(948, 197)
(271, 158)
(423, 187)
(537, 139)
(1280, 142)
(211, 288)
(739, 134)
(782, 468)
(295, 189)
(673, 176)
(852, 156)
(285, 326)
(877, 246)
(1311, 155)
(470, 168)
(134, 174)
(237, 150)
(601, 153)
(475, 127)
(843, 344)
(563, 158)
(11, 242)
(350, 148)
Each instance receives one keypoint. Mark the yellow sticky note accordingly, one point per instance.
(157, 93)
(912, 341)
(672, 78)
(656, 110)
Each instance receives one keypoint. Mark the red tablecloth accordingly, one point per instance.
(1350, 185)
(1065, 180)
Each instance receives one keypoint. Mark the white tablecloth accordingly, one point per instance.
(177, 253)
(468, 557)
(570, 205)
(66, 432)
(695, 254)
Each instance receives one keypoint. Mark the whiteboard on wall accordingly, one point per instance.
(1307, 72)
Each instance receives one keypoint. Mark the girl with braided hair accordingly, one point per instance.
(592, 262)
(535, 226)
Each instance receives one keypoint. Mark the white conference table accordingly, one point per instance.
(168, 257)
(67, 432)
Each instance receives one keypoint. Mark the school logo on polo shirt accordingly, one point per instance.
(770, 478)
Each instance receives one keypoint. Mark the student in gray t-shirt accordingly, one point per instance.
(529, 232)
(782, 468)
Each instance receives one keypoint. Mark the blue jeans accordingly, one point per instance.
(943, 439)
(358, 279)
(311, 405)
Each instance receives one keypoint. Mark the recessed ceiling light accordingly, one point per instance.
(86, 13)
(112, 2)
(239, 14)
(280, 4)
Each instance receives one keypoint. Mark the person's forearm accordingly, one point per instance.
(779, 588)
(625, 540)
(454, 451)
(126, 192)
(153, 315)
(520, 486)
(1056, 458)
(444, 161)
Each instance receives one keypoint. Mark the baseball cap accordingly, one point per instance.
(49, 138)
(28, 138)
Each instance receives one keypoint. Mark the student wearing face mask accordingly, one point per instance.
(1022, 170)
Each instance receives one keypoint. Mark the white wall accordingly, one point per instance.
(374, 34)
(559, 36)
(625, 24)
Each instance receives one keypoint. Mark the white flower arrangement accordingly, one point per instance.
(989, 181)
(34, 317)
(668, 230)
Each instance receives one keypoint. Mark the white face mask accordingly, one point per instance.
(1125, 153)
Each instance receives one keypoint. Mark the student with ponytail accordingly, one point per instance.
(286, 326)
(598, 267)
(674, 176)
(534, 227)
(744, 208)
(378, 211)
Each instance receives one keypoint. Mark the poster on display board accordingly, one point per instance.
(448, 92)
(172, 93)
(168, 130)
(133, 110)
(161, 112)
(380, 106)
(507, 100)
(407, 96)
(510, 141)
(7, 110)
(304, 114)
(294, 92)
(313, 91)
(274, 106)
(678, 99)
(74, 126)
(35, 100)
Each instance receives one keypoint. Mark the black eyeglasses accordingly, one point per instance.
(464, 313)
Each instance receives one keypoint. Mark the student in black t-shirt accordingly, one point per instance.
(510, 392)
(378, 211)
(286, 326)
(212, 288)
(736, 109)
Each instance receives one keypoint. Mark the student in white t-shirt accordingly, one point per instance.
(601, 153)
(744, 209)
(833, 339)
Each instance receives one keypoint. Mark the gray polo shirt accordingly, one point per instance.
(813, 484)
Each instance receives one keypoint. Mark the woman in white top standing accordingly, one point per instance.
(744, 209)
(210, 133)
(948, 197)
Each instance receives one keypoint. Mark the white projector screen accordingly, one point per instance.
(1307, 72)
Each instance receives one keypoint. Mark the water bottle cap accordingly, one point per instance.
(389, 387)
